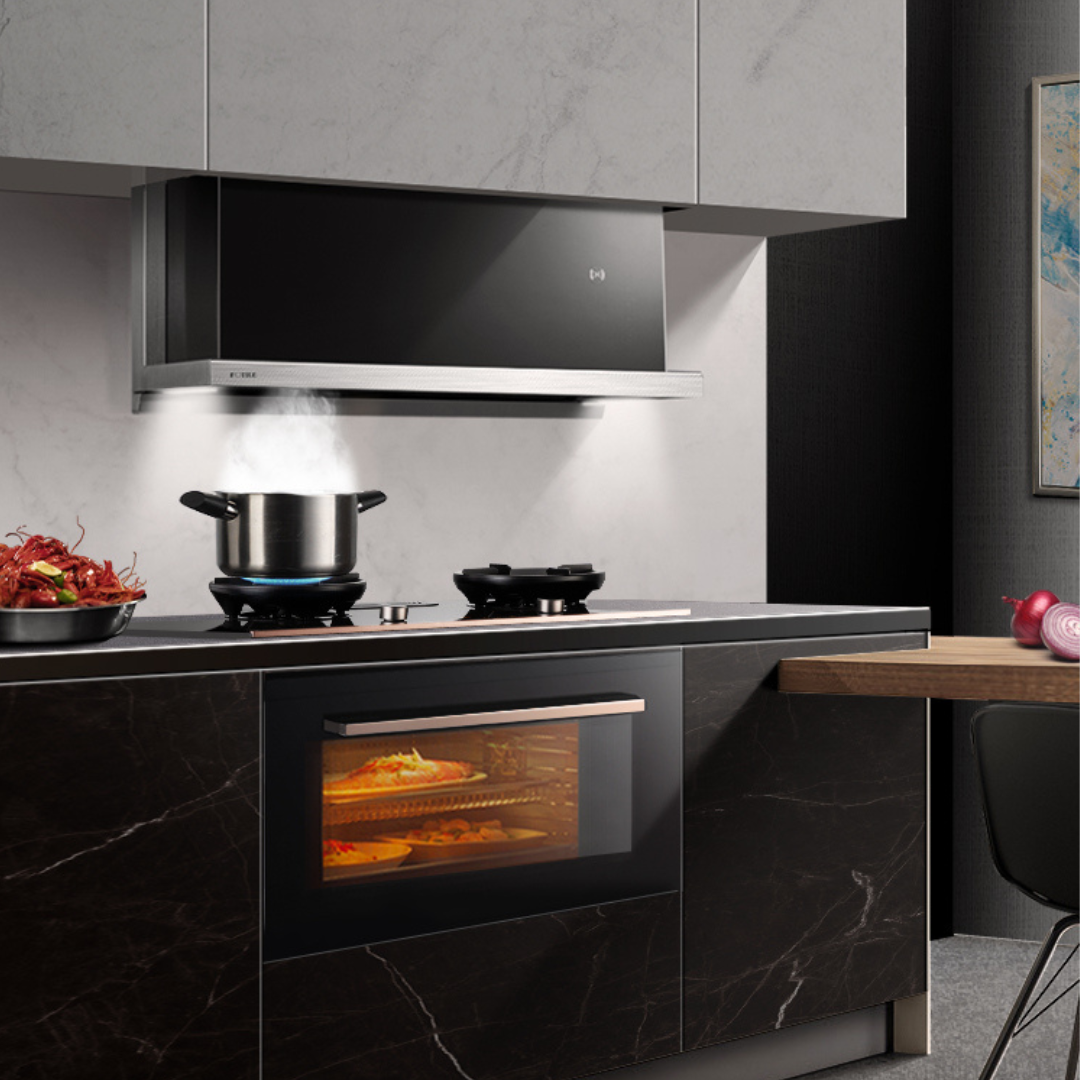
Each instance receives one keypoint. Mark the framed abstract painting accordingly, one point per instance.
(1055, 299)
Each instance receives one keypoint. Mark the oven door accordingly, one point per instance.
(409, 799)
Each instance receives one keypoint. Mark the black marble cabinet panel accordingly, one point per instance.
(544, 998)
(804, 840)
(129, 855)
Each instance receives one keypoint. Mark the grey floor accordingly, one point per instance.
(975, 981)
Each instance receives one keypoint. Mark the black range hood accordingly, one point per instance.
(261, 285)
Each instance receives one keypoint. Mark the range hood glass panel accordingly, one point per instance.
(361, 276)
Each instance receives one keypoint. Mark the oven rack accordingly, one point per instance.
(393, 807)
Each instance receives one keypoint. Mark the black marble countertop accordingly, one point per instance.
(190, 643)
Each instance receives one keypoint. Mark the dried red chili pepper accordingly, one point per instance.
(60, 577)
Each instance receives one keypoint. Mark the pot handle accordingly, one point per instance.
(215, 506)
(367, 499)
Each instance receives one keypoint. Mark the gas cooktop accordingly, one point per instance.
(372, 616)
(497, 591)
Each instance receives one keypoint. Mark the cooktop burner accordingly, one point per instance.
(529, 590)
(295, 602)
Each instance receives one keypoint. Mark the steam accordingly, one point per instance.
(298, 448)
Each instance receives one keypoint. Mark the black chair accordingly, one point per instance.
(1028, 763)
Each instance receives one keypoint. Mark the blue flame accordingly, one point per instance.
(286, 580)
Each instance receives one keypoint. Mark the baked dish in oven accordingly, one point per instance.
(398, 772)
(457, 838)
(456, 830)
(362, 856)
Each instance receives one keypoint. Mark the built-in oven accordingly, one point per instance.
(406, 799)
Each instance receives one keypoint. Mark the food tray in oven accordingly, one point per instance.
(370, 859)
(426, 851)
(433, 804)
(404, 792)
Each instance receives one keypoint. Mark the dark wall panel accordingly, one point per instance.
(1007, 540)
(860, 409)
(900, 401)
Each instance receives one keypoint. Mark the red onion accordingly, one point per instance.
(1028, 615)
(1061, 631)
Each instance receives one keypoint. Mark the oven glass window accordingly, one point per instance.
(479, 798)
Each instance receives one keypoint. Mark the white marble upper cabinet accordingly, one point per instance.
(564, 97)
(803, 105)
(113, 81)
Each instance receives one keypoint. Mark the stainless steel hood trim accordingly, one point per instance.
(417, 380)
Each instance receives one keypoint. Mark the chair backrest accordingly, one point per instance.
(1028, 762)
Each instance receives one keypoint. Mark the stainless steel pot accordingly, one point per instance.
(282, 535)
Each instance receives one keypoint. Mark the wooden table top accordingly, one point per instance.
(966, 668)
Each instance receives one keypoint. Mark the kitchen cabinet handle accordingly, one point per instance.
(605, 706)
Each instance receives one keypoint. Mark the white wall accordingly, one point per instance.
(667, 497)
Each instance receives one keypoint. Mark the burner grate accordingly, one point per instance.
(527, 589)
(274, 602)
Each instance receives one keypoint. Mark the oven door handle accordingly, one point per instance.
(608, 706)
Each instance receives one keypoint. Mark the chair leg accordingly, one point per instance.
(1074, 1046)
(1045, 952)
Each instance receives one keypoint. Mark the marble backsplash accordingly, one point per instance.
(667, 497)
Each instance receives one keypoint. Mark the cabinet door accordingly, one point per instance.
(803, 105)
(569, 97)
(113, 81)
(544, 998)
(805, 843)
(129, 879)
